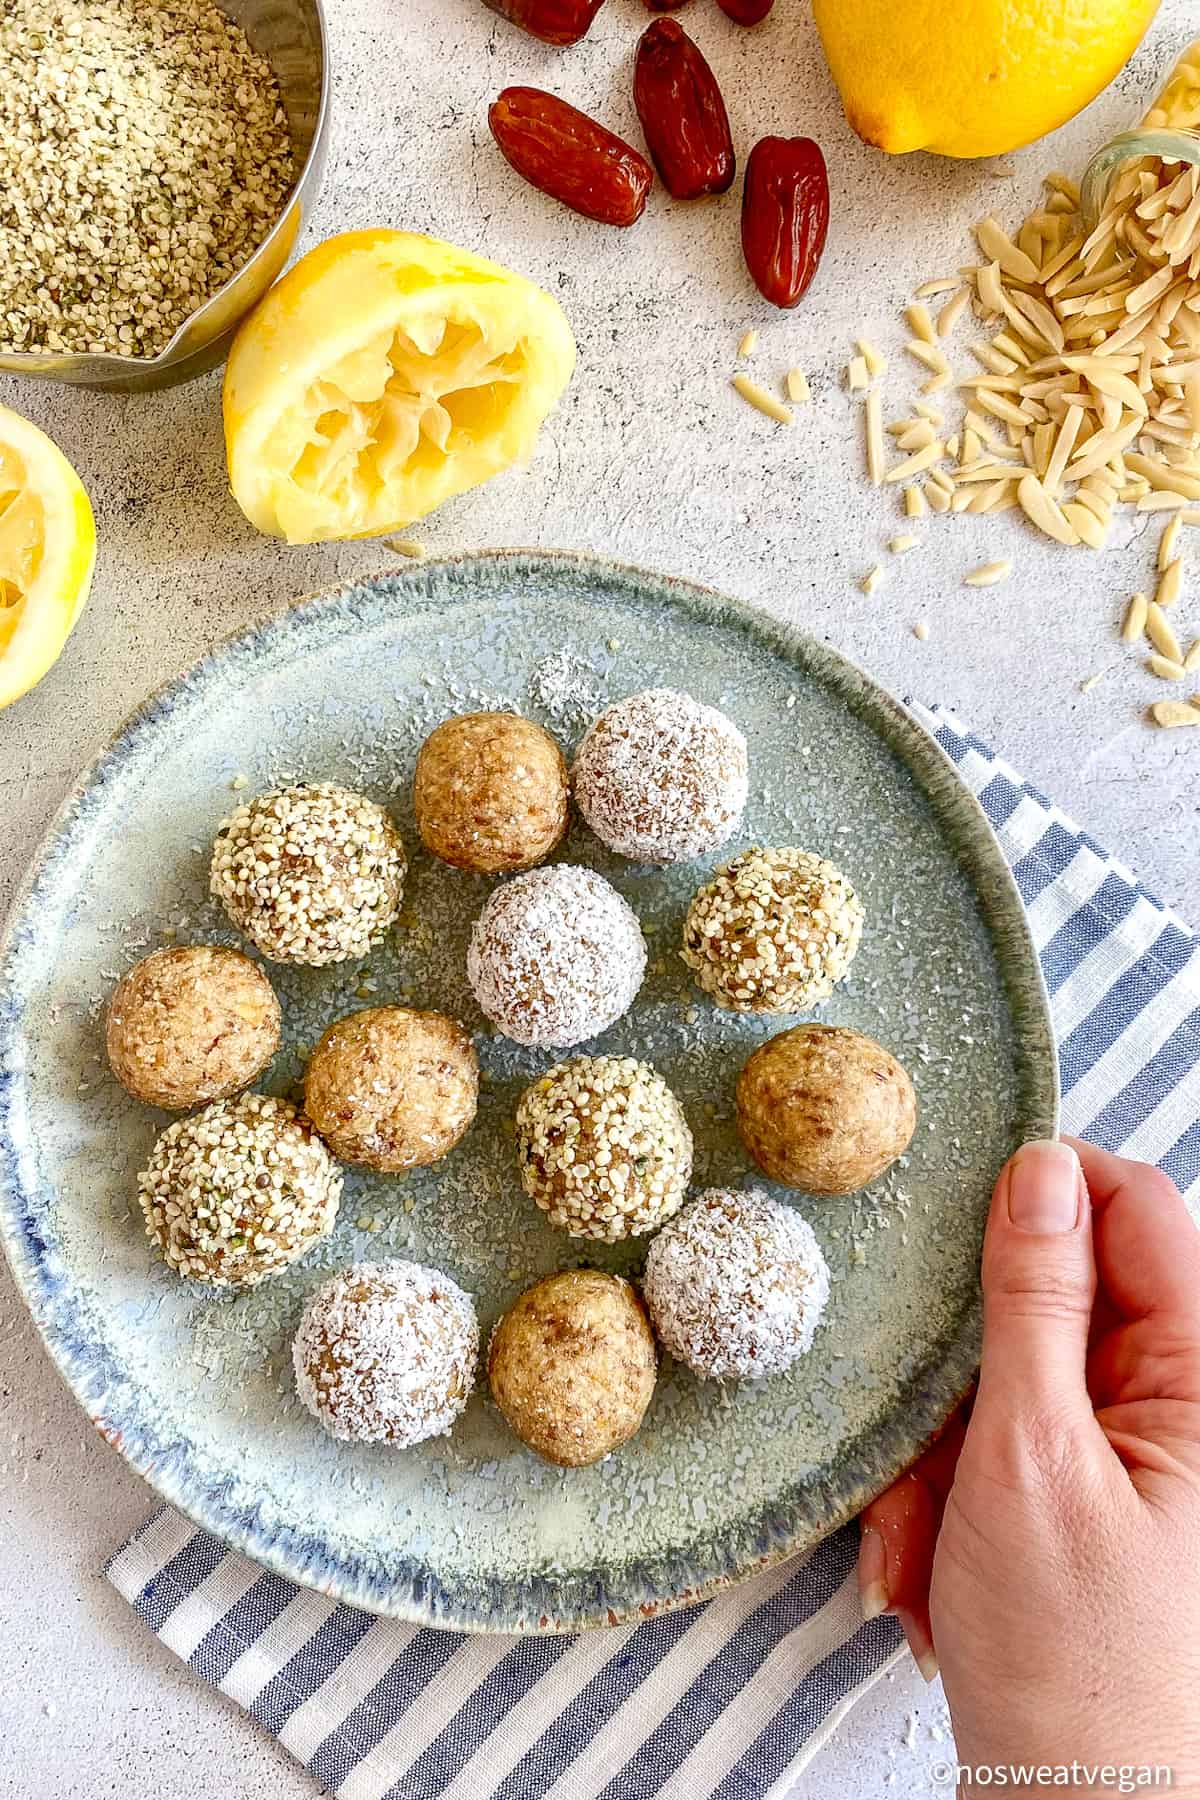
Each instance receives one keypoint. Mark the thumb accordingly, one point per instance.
(1039, 1279)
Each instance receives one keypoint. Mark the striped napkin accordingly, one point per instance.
(729, 1699)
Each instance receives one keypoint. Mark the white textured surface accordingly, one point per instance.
(650, 458)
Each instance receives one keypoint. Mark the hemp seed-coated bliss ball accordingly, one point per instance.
(192, 1023)
(772, 931)
(572, 1366)
(391, 1088)
(555, 956)
(604, 1148)
(311, 874)
(385, 1353)
(824, 1108)
(736, 1285)
(490, 793)
(239, 1191)
(661, 778)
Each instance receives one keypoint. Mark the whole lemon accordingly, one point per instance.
(973, 77)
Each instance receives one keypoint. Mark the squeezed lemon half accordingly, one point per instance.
(47, 552)
(383, 374)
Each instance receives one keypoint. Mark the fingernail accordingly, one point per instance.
(872, 1575)
(920, 1648)
(1043, 1188)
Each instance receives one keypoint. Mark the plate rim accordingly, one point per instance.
(670, 1580)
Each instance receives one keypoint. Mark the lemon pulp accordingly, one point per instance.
(47, 551)
(385, 373)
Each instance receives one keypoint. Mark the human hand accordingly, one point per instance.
(1047, 1552)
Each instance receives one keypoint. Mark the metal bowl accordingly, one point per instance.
(291, 34)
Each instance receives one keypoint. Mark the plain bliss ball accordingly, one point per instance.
(736, 1285)
(385, 1353)
(572, 1366)
(603, 1147)
(191, 1024)
(661, 778)
(555, 957)
(772, 931)
(311, 874)
(391, 1088)
(490, 793)
(824, 1108)
(239, 1191)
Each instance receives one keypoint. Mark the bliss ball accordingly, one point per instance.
(239, 1191)
(311, 874)
(392, 1089)
(385, 1353)
(661, 778)
(572, 1366)
(490, 793)
(191, 1024)
(604, 1148)
(824, 1108)
(772, 931)
(736, 1285)
(555, 957)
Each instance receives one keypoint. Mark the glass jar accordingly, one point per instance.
(1170, 130)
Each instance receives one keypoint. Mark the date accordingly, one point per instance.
(785, 216)
(682, 113)
(746, 12)
(554, 21)
(663, 5)
(572, 158)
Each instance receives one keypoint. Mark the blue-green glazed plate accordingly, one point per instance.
(196, 1389)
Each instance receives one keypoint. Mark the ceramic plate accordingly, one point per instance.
(196, 1389)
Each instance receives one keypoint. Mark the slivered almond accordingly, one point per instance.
(1088, 528)
(1044, 512)
(796, 382)
(1165, 668)
(858, 376)
(1135, 618)
(872, 580)
(999, 248)
(915, 504)
(929, 290)
(757, 396)
(1191, 661)
(952, 312)
(1170, 584)
(1169, 713)
(988, 574)
(939, 500)
(913, 465)
(1168, 543)
(749, 342)
(1160, 634)
(876, 364)
(989, 288)
(920, 323)
(873, 414)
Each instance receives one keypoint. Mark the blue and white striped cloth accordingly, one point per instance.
(730, 1699)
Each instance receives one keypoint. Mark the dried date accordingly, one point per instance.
(746, 12)
(554, 21)
(785, 216)
(682, 113)
(564, 154)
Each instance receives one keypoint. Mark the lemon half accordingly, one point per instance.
(47, 553)
(384, 373)
(973, 77)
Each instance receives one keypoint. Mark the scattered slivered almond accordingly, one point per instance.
(915, 504)
(757, 396)
(1165, 668)
(929, 290)
(988, 574)
(920, 323)
(797, 386)
(1084, 523)
(921, 630)
(938, 498)
(858, 376)
(407, 547)
(1044, 512)
(1134, 624)
(904, 540)
(873, 414)
(1170, 584)
(1091, 681)
(1191, 661)
(872, 580)
(876, 364)
(913, 465)
(1160, 634)
(1169, 713)
(1168, 544)
(952, 312)
(749, 342)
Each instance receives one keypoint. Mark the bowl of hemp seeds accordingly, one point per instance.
(157, 160)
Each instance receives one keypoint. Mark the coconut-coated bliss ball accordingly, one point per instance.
(661, 778)
(824, 1108)
(192, 1023)
(772, 931)
(604, 1148)
(490, 793)
(736, 1285)
(391, 1088)
(555, 956)
(385, 1353)
(239, 1191)
(572, 1366)
(311, 874)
